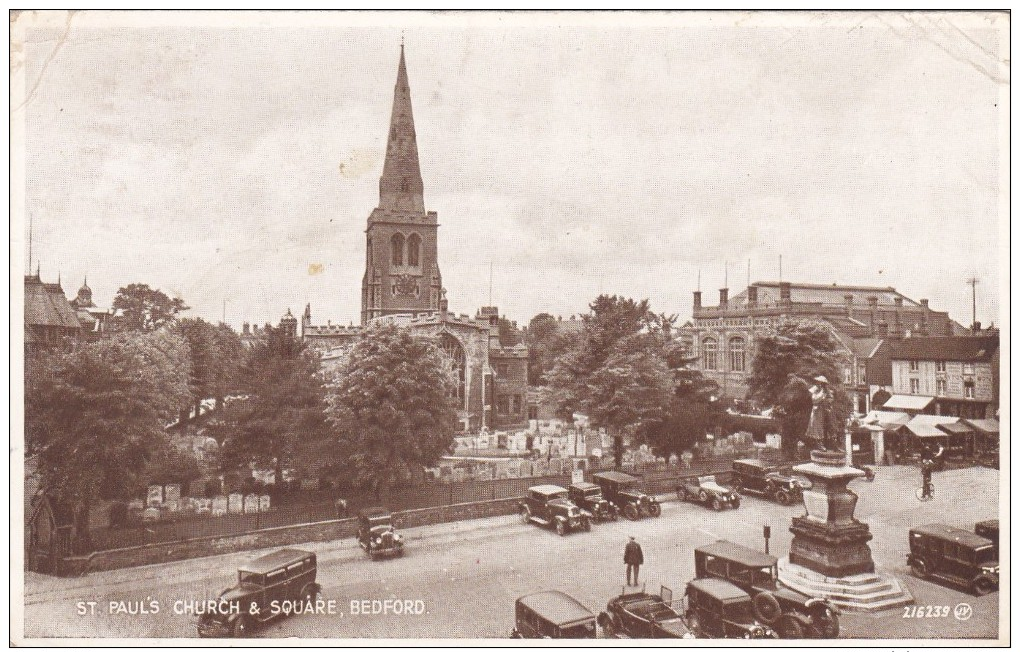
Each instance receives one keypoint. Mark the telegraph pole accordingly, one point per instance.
(972, 282)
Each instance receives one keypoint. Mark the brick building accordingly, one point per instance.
(723, 336)
(402, 285)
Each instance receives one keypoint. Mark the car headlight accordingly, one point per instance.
(378, 539)
(396, 537)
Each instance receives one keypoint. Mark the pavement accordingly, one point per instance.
(465, 576)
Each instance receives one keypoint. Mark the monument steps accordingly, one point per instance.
(866, 592)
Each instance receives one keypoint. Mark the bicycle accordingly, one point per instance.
(925, 496)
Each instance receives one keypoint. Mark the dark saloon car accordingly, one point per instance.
(755, 476)
(719, 609)
(266, 587)
(644, 615)
(548, 504)
(622, 490)
(552, 614)
(589, 497)
(376, 534)
(708, 492)
(954, 556)
(791, 613)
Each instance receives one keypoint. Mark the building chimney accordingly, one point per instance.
(897, 322)
(724, 297)
(784, 292)
(246, 328)
(752, 296)
(924, 303)
(873, 307)
(697, 299)
(976, 327)
(883, 329)
(848, 301)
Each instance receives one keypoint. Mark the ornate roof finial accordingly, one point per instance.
(401, 39)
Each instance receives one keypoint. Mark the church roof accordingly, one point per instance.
(46, 305)
(401, 187)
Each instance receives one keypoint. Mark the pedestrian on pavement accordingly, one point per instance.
(633, 557)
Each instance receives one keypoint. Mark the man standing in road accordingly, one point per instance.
(633, 557)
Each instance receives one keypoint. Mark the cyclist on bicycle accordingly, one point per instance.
(928, 462)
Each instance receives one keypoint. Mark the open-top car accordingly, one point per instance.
(644, 615)
(376, 534)
(279, 583)
(549, 504)
(955, 556)
(588, 496)
(755, 476)
(623, 491)
(552, 614)
(791, 613)
(720, 609)
(707, 491)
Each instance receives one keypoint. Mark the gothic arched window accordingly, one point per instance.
(397, 244)
(453, 349)
(368, 252)
(709, 354)
(738, 360)
(413, 249)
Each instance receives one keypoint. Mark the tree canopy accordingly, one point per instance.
(142, 308)
(390, 406)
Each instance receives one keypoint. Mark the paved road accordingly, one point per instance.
(468, 574)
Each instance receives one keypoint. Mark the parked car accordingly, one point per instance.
(376, 534)
(284, 575)
(552, 614)
(755, 476)
(719, 609)
(707, 491)
(548, 504)
(955, 556)
(644, 615)
(589, 497)
(791, 613)
(622, 491)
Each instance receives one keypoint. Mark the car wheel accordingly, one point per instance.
(717, 504)
(525, 515)
(694, 624)
(766, 607)
(309, 593)
(788, 626)
(561, 528)
(703, 496)
(920, 568)
(630, 511)
(681, 494)
(655, 509)
(983, 586)
(738, 486)
(240, 628)
(608, 625)
(783, 498)
(825, 622)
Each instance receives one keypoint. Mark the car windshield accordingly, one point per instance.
(593, 492)
(987, 555)
(557, 495)
(584, 630)
(764, 577)
(706, 479)
(249, 579)
(740, 611)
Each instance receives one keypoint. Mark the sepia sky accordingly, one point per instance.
(621, 154)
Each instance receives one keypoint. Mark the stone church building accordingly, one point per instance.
(402, 285)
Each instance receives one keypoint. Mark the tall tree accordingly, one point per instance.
(217, 355)
(545, 345)
(94, 417)
(391, 406)
(141, 308)
(283, 408)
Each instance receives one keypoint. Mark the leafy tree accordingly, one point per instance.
(170, 465)
(390, 407)
(283, 409)
(95, 417)
(509, 334)
(142, 308)
(217, 355)
(545, 345)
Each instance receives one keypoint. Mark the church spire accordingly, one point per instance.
(400, 187)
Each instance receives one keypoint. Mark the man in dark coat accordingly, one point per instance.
(633, 557)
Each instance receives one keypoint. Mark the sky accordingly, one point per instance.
(233, 160)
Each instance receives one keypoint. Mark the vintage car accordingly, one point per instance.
(279, 583)
(707, 491)
(791, 613)
(644, 615)
(719, 609)
(622, 491)
(588, 497)
(548, 504)
(552, 614)
(955, 556)
(755, 476)
(376, 534)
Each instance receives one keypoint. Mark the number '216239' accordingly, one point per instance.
(926, 611)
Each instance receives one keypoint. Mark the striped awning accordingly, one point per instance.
(926, 431)
(907, 402)
(958, 428)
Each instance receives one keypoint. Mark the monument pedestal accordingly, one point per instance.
(829, 555)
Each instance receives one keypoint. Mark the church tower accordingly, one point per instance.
(401, 263)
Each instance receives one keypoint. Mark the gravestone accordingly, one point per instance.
(264, 503)
(527, 468)
(172, 506)
(155, 496)
(203, 505)
(172, 492)
(251, 504)
(150, 514)
(555, 466)
(235, 503)
(219, 506)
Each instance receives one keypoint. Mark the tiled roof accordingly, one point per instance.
(958, 349)
(46, 305)
(768, 292)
